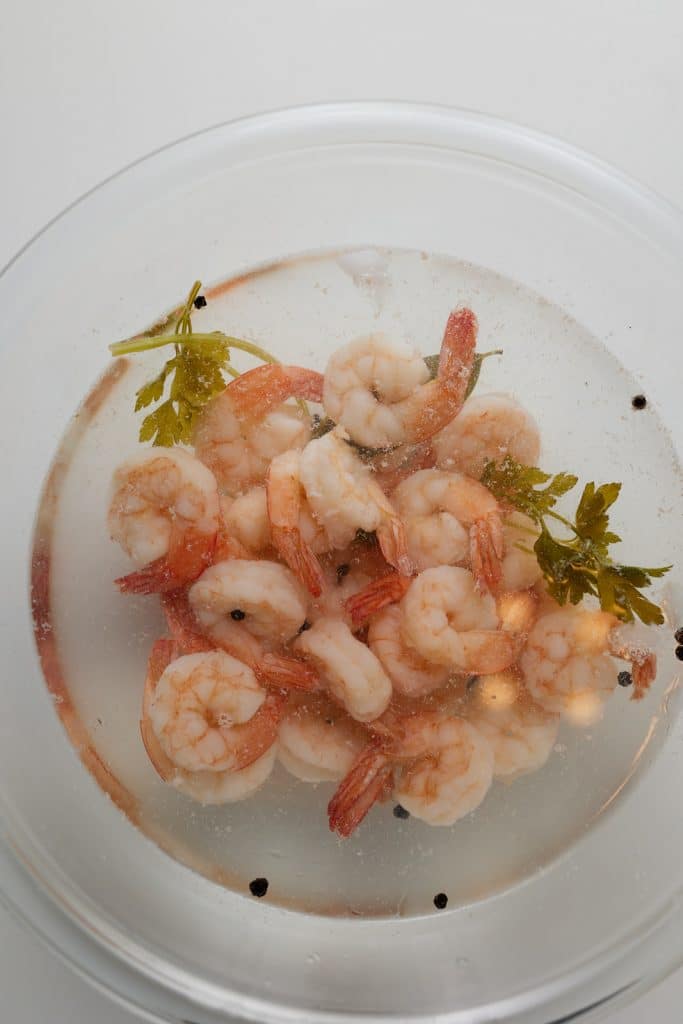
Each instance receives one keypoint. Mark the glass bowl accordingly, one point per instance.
(569, 935)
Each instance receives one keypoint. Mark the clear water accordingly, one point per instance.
(302, 309)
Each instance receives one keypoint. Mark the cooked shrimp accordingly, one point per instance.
(443, 769)
(488, 428)
(208, 787)
(351, 672)
(450, 623)
(521, 733)
(265, 596)
(318, 742)
(519, 568)
(245, 426)
(272, 669)
(566, 666)
(451, 519)
(410, 674)
(344, 497)
(209, 713)
(292, 527)
(379, 390)
(164, 513)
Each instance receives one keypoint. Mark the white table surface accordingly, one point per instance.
(87, 87)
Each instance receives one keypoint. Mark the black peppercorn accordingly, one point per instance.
(237, 614)
(401, 812)
(624, 679)
(679, 652)
(441, 901)
(199, 302)
(342, 571)
(639, 401)
(259, 887)
(678, 636)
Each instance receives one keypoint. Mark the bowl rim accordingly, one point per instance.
(540, 152)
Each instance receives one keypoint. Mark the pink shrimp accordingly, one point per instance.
(441, 767)
(272, 669)
(379, 391)
(164, 512)
(241, 720)
(241, 430)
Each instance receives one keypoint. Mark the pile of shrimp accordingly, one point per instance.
(355, 603)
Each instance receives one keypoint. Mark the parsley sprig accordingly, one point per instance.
(579, 564)
(196, 373)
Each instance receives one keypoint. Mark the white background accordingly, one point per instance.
(87, 87)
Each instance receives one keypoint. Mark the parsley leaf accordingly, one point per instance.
(579, 565)
(196, 373)
(521, 487)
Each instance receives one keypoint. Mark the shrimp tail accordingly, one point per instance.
(643, 664)
(299, 557)
(260, 732)
(283, 496)
(161, 656)
(456, 358)
(393, 542)
(283, 672)
(377, 595)
(182, 625)
(259, 390)
(190, 553)
(486, 551)
(363, 786)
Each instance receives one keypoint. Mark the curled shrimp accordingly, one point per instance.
(164, 513)
(441, 765)
(351, 672)
(487, 428)
(344, 498)
(265, 596)
(318, 741)
(410, 674)
(379, 390)
(521, 733)
(208, 787)
(271, 668)
(292, 528)
(209, 713)
(246, 425)
(450, 623)
(566, 666)
(451, 519)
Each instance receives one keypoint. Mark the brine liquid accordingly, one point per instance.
(580, 395)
